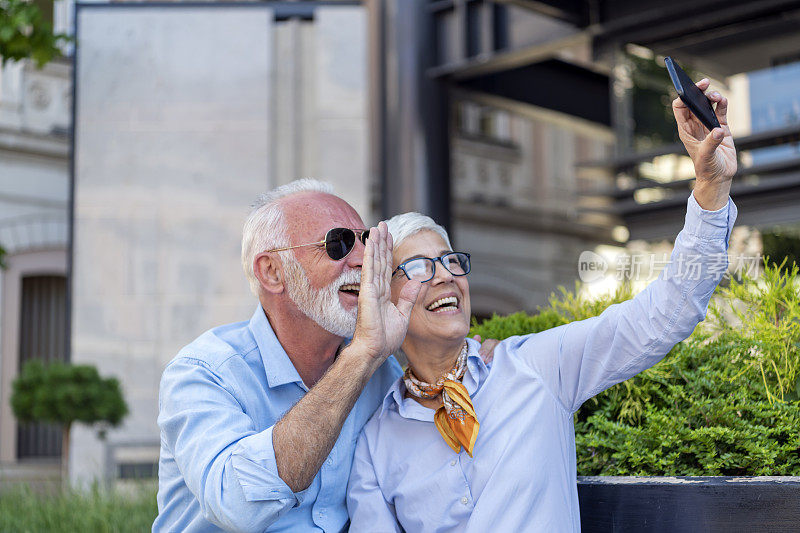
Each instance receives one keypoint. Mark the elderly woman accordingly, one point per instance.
(459, 445)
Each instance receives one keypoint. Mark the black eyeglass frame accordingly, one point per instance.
(328, 242)
(402, 266)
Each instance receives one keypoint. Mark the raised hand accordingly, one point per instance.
(713, 152)
(381, 325)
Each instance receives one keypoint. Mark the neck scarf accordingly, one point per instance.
(456, 419)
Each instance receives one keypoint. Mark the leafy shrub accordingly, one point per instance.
(723, 402)
(765, 316)
(62, 393)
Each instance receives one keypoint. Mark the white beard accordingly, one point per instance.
(321, 305)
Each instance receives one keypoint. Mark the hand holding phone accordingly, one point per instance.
(695, 100)
(711, 148)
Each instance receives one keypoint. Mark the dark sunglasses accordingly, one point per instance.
(338, 242)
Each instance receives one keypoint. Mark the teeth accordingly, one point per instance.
(349, 287)
(450, 300)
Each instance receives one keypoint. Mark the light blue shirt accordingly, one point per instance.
(219, 401)
(523, 473)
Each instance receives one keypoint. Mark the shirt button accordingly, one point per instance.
(453, 462)
(465, 500)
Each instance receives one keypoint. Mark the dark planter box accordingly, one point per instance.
(690, 504)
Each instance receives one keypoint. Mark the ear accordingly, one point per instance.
(268, 270)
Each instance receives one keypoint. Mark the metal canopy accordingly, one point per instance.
(553, 84)
(722, 37)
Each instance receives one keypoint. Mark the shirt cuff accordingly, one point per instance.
(254, 462)
(710, 225)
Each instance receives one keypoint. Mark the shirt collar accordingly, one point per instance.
(476, 373)
(277, 365)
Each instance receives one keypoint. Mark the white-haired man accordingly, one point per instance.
(259, 419)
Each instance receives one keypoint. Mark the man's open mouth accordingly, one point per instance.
(350, 288)
(448, 303)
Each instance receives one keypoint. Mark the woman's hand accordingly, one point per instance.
(712, 152)
(381, 326)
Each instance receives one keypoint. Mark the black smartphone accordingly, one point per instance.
(695, 100)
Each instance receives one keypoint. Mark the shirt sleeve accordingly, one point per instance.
(368, 509)
(228, 466)
(578, 360)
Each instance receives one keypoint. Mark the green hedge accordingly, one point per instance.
(723, 402)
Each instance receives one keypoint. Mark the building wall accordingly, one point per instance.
(320, 103)
(185, 115)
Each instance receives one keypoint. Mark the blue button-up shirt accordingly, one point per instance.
(219, 401)
(523, 473)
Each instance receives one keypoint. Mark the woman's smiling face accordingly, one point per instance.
(442, 311)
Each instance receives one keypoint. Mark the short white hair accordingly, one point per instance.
(407, 224)
(265, 227)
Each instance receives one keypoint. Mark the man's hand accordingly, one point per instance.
(381, 326)
(304, 437)
(712, 152)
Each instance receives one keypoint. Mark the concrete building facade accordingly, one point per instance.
(214, 105)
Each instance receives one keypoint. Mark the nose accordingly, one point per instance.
(356, 256)
(440, 273)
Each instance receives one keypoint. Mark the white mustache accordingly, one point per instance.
(347, 278)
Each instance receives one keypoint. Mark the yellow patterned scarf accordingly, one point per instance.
(456, 419)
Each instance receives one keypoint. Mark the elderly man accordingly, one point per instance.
(259, 419)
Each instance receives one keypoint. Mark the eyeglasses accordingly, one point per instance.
(423, 269)
(338, 242)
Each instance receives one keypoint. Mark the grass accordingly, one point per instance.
(24, 511)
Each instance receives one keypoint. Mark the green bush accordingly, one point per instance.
(23, 511)
(723, 402)
(62, 393)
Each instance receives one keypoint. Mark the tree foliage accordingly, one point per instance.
(63, 393)
(723, 402)
(25, 34)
